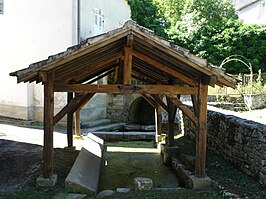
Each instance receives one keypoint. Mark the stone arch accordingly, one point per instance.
(141, 112)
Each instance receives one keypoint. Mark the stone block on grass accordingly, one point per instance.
(143, 183)
(46, 182)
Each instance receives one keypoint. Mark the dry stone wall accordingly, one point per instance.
(240, 141)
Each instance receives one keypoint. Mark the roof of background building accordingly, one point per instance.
(240, 4)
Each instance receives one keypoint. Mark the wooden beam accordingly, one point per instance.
(77, 122)
(88, 68)
(42, 76)
(127, 70)
(28, 73)
(126, 89)
(77, 102)
(48, 149)
(100, 76)
(130, 40)
(154, 43)
(171, 121)
(69, 122)
(142, 79)
(201, 136)
(158, 119)
(185, 109)
(119, 70)
(159, 100)
(194, 99)
(67, 109)
(149, 100)
(165, 68)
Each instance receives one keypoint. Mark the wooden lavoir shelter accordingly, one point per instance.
(130, 52)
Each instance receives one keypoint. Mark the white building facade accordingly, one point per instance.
(251, 11)
(31, 30)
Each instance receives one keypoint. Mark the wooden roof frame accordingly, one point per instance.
(129, 52)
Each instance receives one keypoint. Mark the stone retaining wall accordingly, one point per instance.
(240, 141)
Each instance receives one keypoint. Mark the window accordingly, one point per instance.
(98, 21)
(1, 6)
(262, 9)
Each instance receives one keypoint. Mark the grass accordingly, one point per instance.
(123, 167)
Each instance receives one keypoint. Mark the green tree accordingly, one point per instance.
(208, 28)
(146, 13)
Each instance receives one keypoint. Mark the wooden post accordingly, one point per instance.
(201, 137)
(48, 126)
(171, 121)
(119, 71)
(69, 122)
(158, 120)
(194, 99)
(127, 70)
(77, 122)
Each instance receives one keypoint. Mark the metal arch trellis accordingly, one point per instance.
(240, 58)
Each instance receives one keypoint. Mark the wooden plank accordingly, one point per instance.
(48, 155)
(100, 76)
(144, 74)
(165, 68)
(149, 100)
(69, 122)
(93, 74)
(91, 67)
(185, 109)
(142, 79)
(28, 73)
(75, 103)
(77, 122)
(126, 89)
(159, 100)
(127, 70)
(157, 43)
(201, 137)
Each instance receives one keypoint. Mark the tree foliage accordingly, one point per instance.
(208, 28)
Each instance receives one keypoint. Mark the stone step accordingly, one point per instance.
(187, 178)
(85, 174)
(128, 136)
(95, 123)
(138, 127)
(182, 172)
(187, 160)
(108, 127)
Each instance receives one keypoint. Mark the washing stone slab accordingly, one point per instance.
(85, 174)
(119, 136)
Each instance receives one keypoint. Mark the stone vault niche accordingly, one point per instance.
(141, 112)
